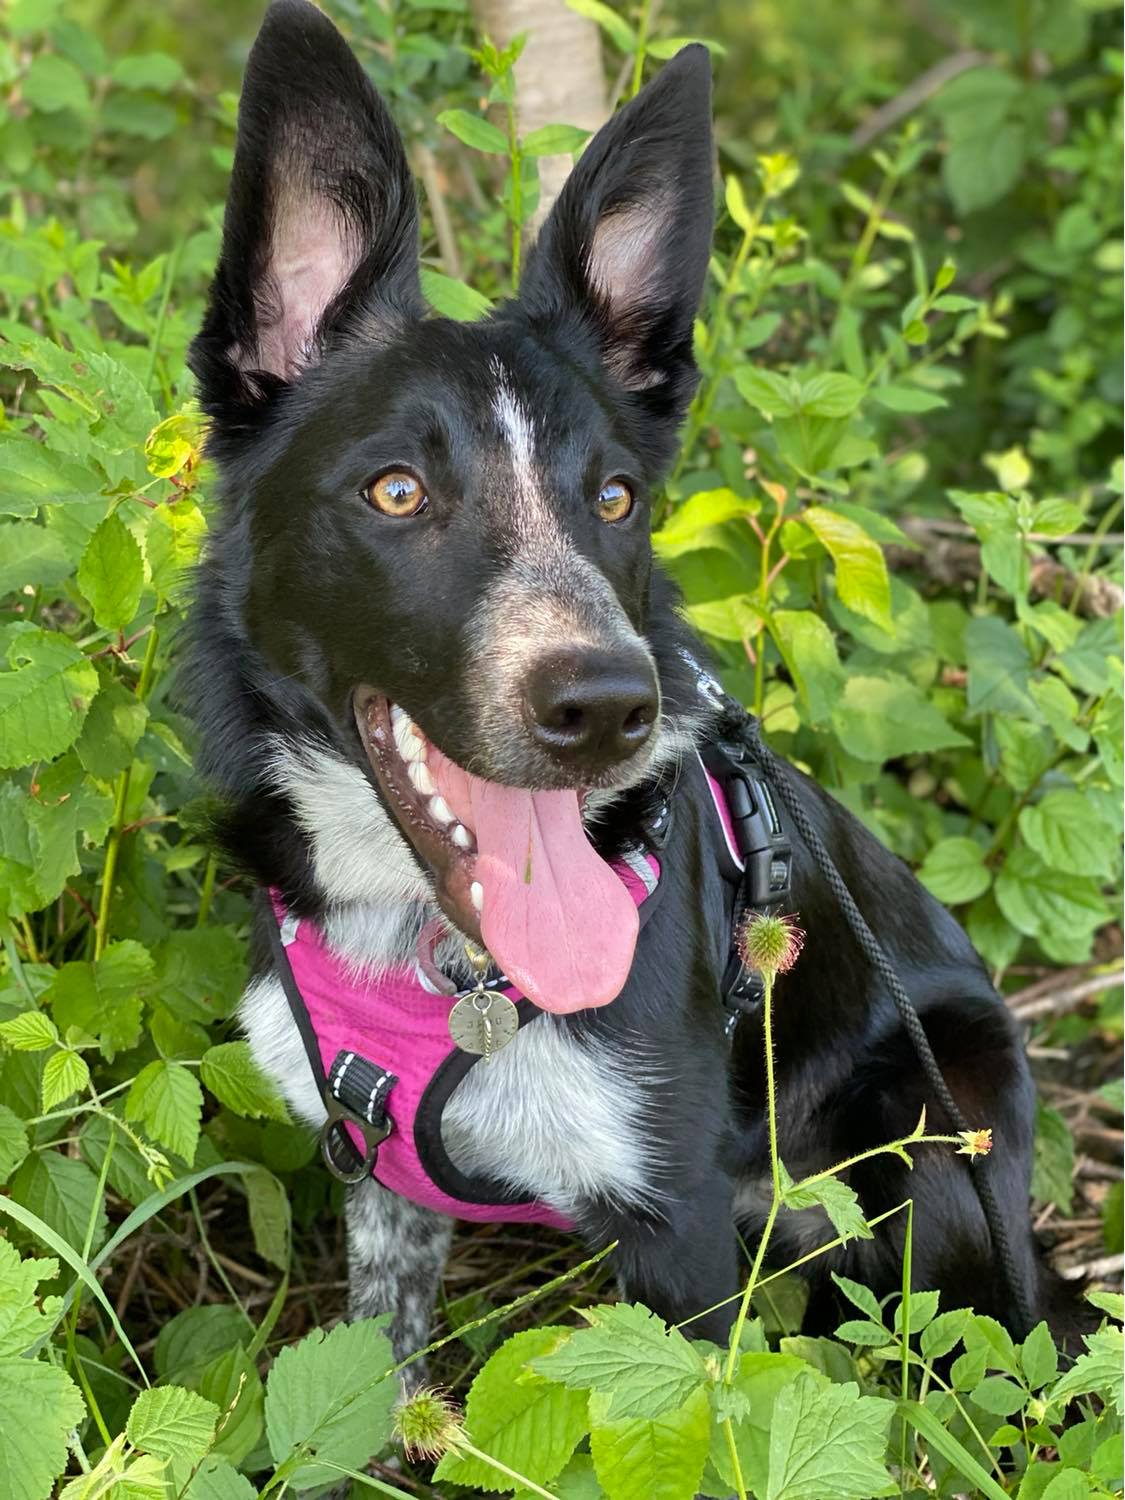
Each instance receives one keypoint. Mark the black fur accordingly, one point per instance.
(306, 593)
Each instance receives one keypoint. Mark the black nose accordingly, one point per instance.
(590, 707)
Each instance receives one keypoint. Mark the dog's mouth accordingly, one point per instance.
(512, 869)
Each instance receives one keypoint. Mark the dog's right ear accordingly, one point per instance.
(320, 237)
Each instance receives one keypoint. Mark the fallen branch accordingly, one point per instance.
(1030, 1004)
(924, 87)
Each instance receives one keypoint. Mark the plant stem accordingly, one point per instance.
(521, 1480)
(515, 156)
(113, 848)
(207, 890)
(642, 43)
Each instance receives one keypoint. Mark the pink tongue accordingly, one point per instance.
(556, 918)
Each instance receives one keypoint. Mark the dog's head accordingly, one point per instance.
(449, 523)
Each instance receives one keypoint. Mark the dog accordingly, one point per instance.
(440, 683)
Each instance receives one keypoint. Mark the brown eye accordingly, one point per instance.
(615, 501)
(396, 493)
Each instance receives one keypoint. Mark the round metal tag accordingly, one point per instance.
(483, 1022)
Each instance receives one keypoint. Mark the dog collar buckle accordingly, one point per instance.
(355, 1094)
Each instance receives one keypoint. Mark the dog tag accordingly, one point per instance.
(483, 1022)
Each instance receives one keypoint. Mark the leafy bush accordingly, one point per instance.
(893, 518)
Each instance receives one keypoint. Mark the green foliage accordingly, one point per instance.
(867, 403)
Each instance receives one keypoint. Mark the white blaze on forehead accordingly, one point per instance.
(518, 433)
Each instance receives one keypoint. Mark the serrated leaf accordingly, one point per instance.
(332, 1394)
(944, 1333)
(113, 726)
(830, 395)
(859, 1296)
(44, 700)
(14, 1144)
(215, 1479)
(838, 1201)
(41, 1405)
(232, 1382)
(759, 1379)
(999, 1396)
(954, 871)
(1039, 1359)
(64, 1074)
(631, 1356)
(526, 1421)
(166, 1098)
(172, 1422)
(173, 542)
(231, 1074)
(103, 996)
(862, 581)
(453, 298)
(63, 1192)
(685, 526)
(112, 574)
(655, 1457)
(827, 1442)
(479, 133)
(30, 1031)
(771, 394)
(1066, 831)
(1038, 899)
(809, 651)
(882, 718)
(22, 1320)
(1098, 1370)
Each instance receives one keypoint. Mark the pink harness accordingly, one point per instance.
(385, 1063)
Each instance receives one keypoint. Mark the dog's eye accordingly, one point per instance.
(615, 501)
(396, 493)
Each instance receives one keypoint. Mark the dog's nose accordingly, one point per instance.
(591, 707)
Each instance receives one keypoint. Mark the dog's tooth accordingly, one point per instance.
(476, 895)
(440, 810)
(397, 713)
(421, 778)
(403, 737)
(461, 836)
(409, 746)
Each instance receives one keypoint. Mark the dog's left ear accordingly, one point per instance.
(625, 247)
(320, 237)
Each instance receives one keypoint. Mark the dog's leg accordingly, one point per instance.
(396, 1255)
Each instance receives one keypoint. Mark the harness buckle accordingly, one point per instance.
(355, 1094)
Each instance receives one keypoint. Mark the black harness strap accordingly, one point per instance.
(748, 729)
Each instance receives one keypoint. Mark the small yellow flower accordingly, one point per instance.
(974, 1142)
(429, 1424)
(770, 945)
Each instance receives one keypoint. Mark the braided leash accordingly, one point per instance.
(874, 951)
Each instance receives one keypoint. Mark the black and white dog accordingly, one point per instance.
(434, 543)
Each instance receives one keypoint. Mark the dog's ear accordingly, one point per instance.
(320, 237)
(626, 245)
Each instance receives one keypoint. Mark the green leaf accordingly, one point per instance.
(14, 1144)
(479, 133)
(452, 298)
(654, 1457)
(862, 581)
(686, 527)
(173, 542)
(954, 871)
(232, 1382)
(63, 1193)
(167, 1100)
(1039, 1358)
(1053, 1161)
(632, 1357)
(859, 1296)
(827, 1442)
(22, 1320)
(65, 1074)
(1066, 831)
(172, 1422)
(1040, 900)
(615, 26)
(999, 1396)
(1111, 1303)
(830, 395)
(737, 206)
(45, 699)
(331, 1394)
(174, 444)
(942, 1441)
(758, 1381)
(30, 1031)
(809, 652)
(112, 574)
(944, 1334)
(41, 1405)
(268, 1203)
(215, 1479)
(858, 1331)
(526, 1421)
(30, 557)
(736, 618)
(194, 1339)
(553, 140)
(882, 718)
(147, 70)
(979, 169)
(999, 670)
(52, 83)
(771, 394)
(907, 398)
(231, 1074)
(838, 1201)
(1098, 1370)
(115, 723)
(103, 997)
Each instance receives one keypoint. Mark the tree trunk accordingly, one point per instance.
(559, 77)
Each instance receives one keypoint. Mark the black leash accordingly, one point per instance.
(750, 731)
